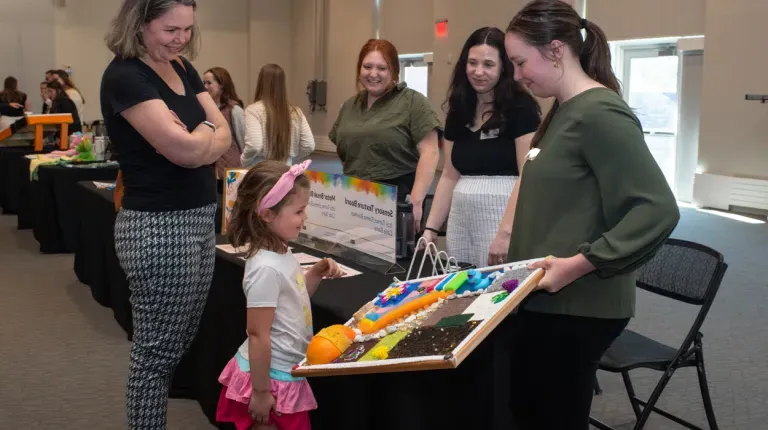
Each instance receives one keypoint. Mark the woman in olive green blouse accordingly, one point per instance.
(590, 195)
(388, 132)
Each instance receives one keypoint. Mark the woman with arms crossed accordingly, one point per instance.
(167, 132)
(491, 120)
(388, 132)
(592, 196)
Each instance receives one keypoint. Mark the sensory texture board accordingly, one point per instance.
(422, 324)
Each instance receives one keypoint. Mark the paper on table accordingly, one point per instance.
(303, 258)
(348, 271)
(229, 249)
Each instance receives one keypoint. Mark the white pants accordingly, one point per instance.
(477, 207)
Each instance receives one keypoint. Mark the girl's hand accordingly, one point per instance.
(262, 403)
(327, 268)
(15, 105)
(430, 236)
(560, 272)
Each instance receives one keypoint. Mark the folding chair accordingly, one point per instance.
(684, 271)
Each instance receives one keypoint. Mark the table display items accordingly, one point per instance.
(425, 323)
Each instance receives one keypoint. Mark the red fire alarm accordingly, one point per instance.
(441, 28)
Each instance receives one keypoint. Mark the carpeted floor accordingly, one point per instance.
(63, 359)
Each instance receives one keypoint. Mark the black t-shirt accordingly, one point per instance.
(152, 182)
(490, 151)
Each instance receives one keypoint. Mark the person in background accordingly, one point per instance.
(11, 94)
(63, 77)
(61, 103)
(166, 132)
(388, 132)
(491, 120)
(44, 97)
(592, 196)
(275, 129)
(220, 86)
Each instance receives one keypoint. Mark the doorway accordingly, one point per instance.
(650, 83)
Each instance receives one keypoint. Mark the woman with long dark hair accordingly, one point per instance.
(69, 86)
(592, 196)
(274, 128)
(61, 103)
(491, 120)
(221, 87)
(11, 93)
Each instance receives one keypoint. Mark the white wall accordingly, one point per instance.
(27, 44)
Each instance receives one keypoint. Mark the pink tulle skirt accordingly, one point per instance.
(291, 398)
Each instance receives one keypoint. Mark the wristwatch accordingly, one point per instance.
(210, 124)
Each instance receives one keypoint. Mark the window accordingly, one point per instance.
(415, 69)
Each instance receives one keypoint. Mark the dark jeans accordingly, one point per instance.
(554, 361)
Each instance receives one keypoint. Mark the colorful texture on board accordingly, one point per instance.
(382, 191)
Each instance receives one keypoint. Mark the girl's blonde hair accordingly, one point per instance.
(246, 227)
(124, 40)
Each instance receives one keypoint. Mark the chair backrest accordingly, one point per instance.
(685, 271)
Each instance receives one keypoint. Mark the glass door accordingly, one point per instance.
(651, 89)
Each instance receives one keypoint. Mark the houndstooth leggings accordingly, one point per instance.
(477, 207)
(168, 259)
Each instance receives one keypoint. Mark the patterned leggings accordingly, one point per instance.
(168, 258)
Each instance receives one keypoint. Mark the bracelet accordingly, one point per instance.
(210, 124)
(432, 230)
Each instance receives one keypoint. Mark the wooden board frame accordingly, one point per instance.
(448, 361)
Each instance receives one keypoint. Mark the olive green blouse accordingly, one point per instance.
(594, 188)
(380, 143)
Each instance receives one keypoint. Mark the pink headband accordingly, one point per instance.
(283, 186)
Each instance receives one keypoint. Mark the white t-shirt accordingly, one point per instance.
(275, 280)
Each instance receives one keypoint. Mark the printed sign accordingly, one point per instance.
(358, 214)
(232, 179)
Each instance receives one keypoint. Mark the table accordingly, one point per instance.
(413, 400)
(96, 263)
(54, 194)
(11, 161)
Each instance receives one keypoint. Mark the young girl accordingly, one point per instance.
(258, 387)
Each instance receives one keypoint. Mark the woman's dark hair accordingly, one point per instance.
(11, 93)
(60, 91)
(68, 83)
(542, 21)
(246, 228)
(228, 92)
(461, 101)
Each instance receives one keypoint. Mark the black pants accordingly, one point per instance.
(554, 361)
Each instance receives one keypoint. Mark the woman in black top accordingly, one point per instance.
(61, 103)
(167, 132)
(11, 94)
(491, 120)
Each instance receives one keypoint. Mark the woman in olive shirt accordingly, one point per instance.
(388, 132)
(592, 196)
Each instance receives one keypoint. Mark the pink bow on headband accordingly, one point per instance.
(283, 186)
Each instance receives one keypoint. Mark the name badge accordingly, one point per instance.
(490, 134)
(532, 154)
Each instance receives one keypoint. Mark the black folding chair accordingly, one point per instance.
(684, 271)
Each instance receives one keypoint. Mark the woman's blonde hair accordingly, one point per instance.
(271, 90)
(124, 40)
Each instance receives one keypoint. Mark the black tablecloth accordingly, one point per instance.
(54, 198)
(472, 396)
(14, 188)
(96, 263)
(476, 391)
